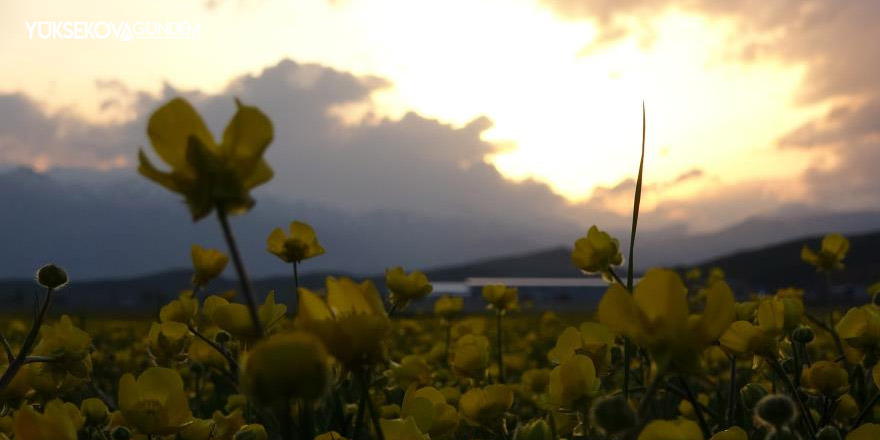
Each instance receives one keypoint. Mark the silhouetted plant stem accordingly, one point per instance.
(243, 279)
(296, 276)
(7, 348)
(698, 409)
(448, 337)
(797, 395)
(731, 397)
(28, 345)
(500, 348)
(869, 408)
(374, 415)
(230, 359)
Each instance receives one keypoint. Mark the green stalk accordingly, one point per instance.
(28, 345)
(243, 279)
(500, 349)
(630, 267)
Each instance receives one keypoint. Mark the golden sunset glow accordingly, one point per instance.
(566, 110)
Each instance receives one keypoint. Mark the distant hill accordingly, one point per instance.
(763, 269)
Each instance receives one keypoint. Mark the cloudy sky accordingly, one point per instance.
(496, 107)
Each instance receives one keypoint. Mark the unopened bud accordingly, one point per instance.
(803, 334)
(776, 409)
(51, 276)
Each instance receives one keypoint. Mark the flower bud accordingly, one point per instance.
(52, 277)
(751, 394)
(94, 410)
(222, 337)
(613, 415)
(828, 433)
(120, 433)
(803, 334)
(776, 410)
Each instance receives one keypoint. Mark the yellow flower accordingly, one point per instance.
(826, 378)
(351, 321)
(867, 431)
(686, 408)
(412, 369)
(253, 431)
(236, 319)
(847, 409)
(182, 310)
(681, 429)
(535, 381)
(155, 403)
(55, 423)
(573, 383)
(500, 297)
(656, 315)
(406, 287)
(302, 243)
(732, 433)
(537, 429)
(470, 358)
(207, 174)
(830, 256)
(95, 411)
(167, 342)
(486, 406)
(743, 338)
(448, 306)
(199, 429)
(207, 264)
(68, 345)
(596, 252)
(593, 339)
(287, 366)
(859, 330)
(402, 429)
(433, 415)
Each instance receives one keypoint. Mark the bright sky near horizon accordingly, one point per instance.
(566, 111)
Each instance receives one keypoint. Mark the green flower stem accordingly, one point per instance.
(698, 408)
(648, 397)
(797, 395)
(7, 348)
(230, 359)
(827, 328)
(731, 396)
(359, 417)
(28, 345)
(243, 279)
(869, 408)
(500, 348)
(374, 415)
(448, 337)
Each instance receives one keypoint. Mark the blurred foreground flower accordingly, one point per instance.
(209, 175)
(657, 316)
(351, 321)
(830, 255)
